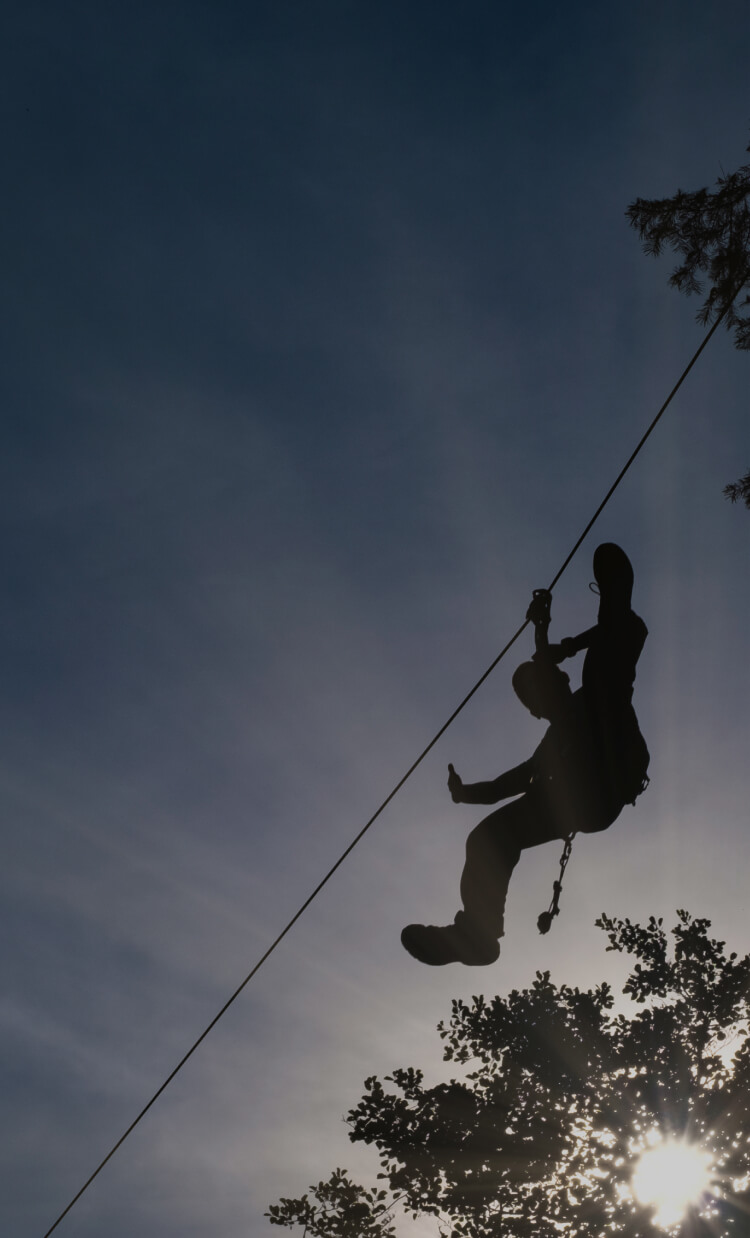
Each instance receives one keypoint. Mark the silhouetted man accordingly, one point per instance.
(590, 763)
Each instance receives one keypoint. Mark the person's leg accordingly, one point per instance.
(613, 573)
(493, 849)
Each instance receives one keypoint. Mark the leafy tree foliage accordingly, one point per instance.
(739, 490)
(342, 1209)
(558, 1093)
(711, 233)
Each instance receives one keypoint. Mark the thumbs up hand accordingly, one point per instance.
(455, 786)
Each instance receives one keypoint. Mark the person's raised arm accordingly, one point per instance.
(539, 613)
(513, 782)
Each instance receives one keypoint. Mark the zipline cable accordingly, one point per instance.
(399, 784)
(647, 435)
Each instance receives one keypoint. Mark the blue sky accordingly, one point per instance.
(324, 334)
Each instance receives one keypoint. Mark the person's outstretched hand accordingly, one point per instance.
(455, 786)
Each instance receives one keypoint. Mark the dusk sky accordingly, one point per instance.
(324, 333)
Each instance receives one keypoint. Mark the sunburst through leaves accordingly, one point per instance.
(672, 1176)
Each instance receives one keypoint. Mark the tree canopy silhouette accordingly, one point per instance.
(711, 233)
(558, 1094)
(739, 490)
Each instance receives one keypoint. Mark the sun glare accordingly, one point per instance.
(671, 1176)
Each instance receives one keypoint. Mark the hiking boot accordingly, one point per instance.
(438, 945)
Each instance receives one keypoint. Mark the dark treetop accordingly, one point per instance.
(711, 233)
(540, 1133)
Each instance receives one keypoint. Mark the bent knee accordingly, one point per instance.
(492, 838)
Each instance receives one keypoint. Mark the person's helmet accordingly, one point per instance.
(538, 684)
